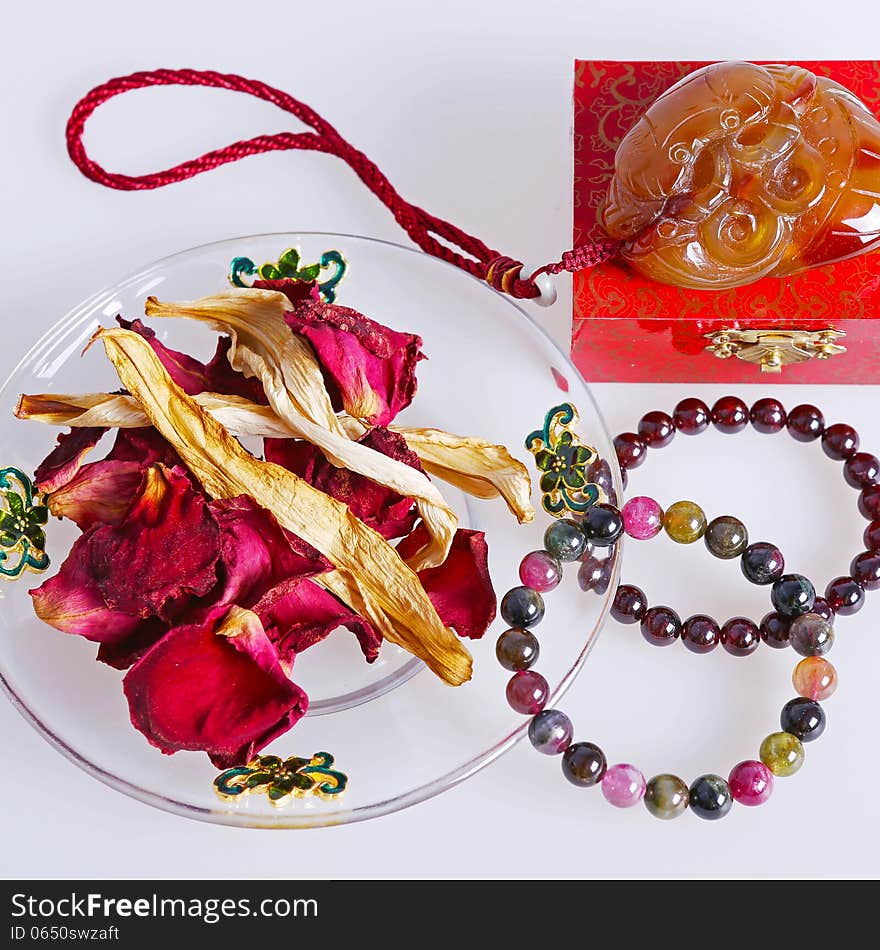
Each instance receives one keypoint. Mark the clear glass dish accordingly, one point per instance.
(399, 734)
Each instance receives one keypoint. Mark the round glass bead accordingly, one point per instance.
(642, 517)
(629, 604)
(793, 595)
(666, 797)
(630, 449)
(583, 764)
(661, 626)
(598, 472)
(751, 783)
(595, 574)
(730, 414)
(845, 596)
(865, 570)
(691, 416)
(803, 718)
(685, 522)
(540, 571)
(774, 630)
(517, 649)
(656, 429)
(869, 502)
(565, 540)
(814, 678)
(861, 470)
(762, 563)
(805, 423)
(768, 416)
(710, 797)
(550, 732)
(871, 537)
(840, 441)
(623, 785)
(811, 635)
(602, 525)
(527, 692)
(522, 607)
(782, 753)
(726, 537)
(740, 636)
(700, 634)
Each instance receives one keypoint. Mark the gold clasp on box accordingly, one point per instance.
(772, 349)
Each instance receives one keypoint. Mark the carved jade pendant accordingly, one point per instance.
(740, 171)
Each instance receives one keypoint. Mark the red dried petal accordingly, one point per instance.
(392, 515)
(224, 695)
(298, 614)
(222, 378)
(65, 460)
(144, 446)
(257, 553)
(163, 554)
(127, 651)
(296, 291)
(370, 369)
(71, 602)
(187, 372)
(100, 493)
(460, 588)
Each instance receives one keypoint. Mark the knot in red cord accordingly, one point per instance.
(505, 274)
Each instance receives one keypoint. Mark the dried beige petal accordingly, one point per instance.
(264, 347)
(475, 466)
(368, 568)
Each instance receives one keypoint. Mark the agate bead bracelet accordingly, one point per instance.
(726, 537)
(584, 763)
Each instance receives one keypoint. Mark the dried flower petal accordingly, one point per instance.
(215, 687)
(263, 347)
(372, 368)
(64, 461)
(370, 576)
(100, 493)
(461, 588)
(256, 553)
(381, 508)
(162, 555)
(298, 614)
(186, 371)
(474, 465)
(71, 602)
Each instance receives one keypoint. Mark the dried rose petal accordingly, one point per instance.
(162, 555)
(296, 291)
(100, 493)
(64, 461)
(460, 589)
(370, 369)
(256, 553)
(144, 446)
(71, 602)
(124, 653)
(187, 372)
(222, 378)
(298, 614)
(383, 509)
(216, 687)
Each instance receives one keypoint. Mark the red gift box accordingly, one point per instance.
(627, 328)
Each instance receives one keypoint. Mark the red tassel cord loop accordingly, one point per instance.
(425, 230)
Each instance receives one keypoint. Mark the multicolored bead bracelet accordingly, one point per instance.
(802, 718)
(583, 763)
(726, 537)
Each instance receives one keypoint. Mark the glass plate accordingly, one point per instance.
(399, 734)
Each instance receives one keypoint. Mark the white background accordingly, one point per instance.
(467, 107)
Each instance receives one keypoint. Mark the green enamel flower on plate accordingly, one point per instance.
(563, 461)
(564, 464)
(283, 779)
(23, 516)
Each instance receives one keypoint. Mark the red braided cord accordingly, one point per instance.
(501, 272)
